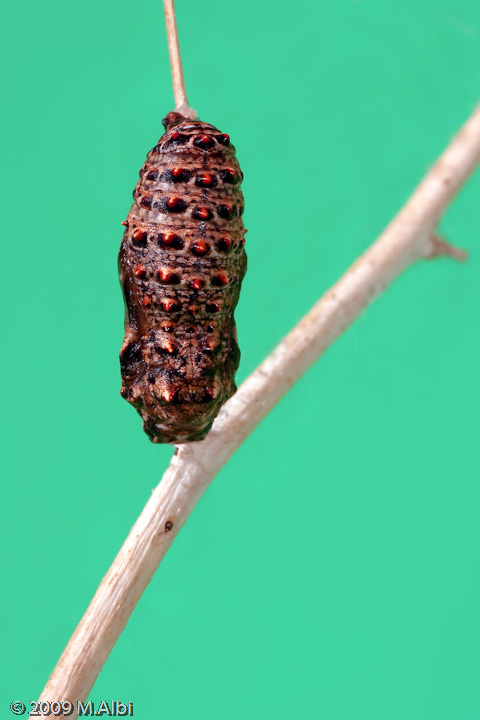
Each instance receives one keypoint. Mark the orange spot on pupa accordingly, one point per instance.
(140, 271)
(168, 395)
(221, 279)
(224, 244)
(139, 234)
(196, 283)
(210, 393)
(200, 247)
(169, 238)
(213, 307)
(206, 179)
(167, 276)
(169, 305)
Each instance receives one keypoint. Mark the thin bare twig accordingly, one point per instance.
(409, 237)
(179, 91)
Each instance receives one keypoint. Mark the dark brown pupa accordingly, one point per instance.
(181, 264)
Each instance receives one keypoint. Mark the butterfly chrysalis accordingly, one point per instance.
(182, 262)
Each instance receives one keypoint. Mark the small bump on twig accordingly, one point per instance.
(439, 247)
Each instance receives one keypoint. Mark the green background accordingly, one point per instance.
(332, 569)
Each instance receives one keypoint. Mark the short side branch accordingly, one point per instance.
(439, 247)
(406, 239)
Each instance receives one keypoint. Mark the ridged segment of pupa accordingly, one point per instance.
(181, 262)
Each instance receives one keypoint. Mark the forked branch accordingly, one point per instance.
(409, 237)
